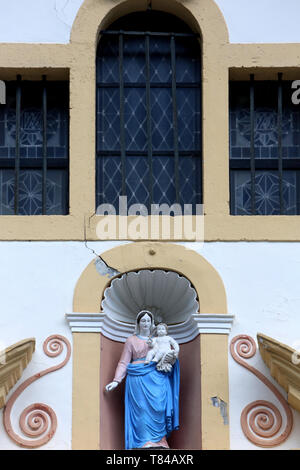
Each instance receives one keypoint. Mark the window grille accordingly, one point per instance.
(148, 112)
(264, 148)
(34, 148)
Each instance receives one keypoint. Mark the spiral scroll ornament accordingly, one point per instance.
(261, 421)
(38, 421)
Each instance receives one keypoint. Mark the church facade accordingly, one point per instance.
(149, 159)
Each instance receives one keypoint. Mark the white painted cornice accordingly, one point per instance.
(119, 331)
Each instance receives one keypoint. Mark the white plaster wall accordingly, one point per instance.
(37, 21)
(37, 281)
(261, 21)
(262, 286)
(50, 21)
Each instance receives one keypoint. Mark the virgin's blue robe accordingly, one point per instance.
(151, 404)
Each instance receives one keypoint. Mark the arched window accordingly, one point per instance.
(148, 112)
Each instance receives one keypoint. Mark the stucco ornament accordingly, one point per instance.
(261, 420)
(151, 368)
(38, 422)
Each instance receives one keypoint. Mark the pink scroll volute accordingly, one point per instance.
(261, 421)
(37, 419)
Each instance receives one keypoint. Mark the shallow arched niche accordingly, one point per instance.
(134, 256)
(213, 348)
(203, 16)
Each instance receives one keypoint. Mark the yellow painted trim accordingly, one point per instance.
(214, 383)
(76, 61)
(252, 228)
(214, 349)
(263, 56)
(86, 391)
(218, 227)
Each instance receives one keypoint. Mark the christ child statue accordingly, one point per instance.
(161, 346)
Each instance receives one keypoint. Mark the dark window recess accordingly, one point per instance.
(148, 112)
(34, 148)
(264, 148)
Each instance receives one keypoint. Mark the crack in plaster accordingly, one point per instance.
(60, 11)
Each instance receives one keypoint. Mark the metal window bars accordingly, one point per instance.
(24, 97)
(148, 85)
(252, 143)
(18, 130)
(18, 135)
(279, 130)
(270, 164)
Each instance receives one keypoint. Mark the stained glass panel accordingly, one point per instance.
(266, 192)
(138, 120)
(31, 121)
(135, 114)
(189, 119)
(30, 192)
(109, 174)
(108, 119)
(109, 180)
(7, 193)
(163, 180)
(187, 61)
(26, 177)
(162, 119)
(137, 180)
(107, 62)
(160, 60)
(265, 121)
(274, 157)
(190, 180)
(134, 59)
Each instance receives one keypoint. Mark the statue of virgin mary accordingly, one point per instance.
(151, 396)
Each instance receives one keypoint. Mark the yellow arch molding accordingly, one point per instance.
(94, 15)
(86, 350)
(204, 17)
